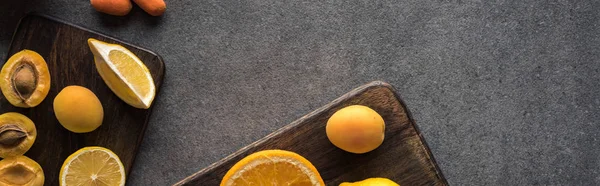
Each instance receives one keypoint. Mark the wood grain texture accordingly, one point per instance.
(70, 61)
(403, 157)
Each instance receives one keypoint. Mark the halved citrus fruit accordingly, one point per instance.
(92, 166)
(124, 73)
(273, 167)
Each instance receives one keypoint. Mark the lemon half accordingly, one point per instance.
(92, 166)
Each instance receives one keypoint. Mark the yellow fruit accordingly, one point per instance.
(78, 109)
(273, 167)
(25, 79)
(20, 170)
(356, 129)
(92, 166)
(372, 182)
(124, 73)
(17, 134)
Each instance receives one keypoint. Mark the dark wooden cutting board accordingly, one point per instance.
(70, 61)
(403, 157)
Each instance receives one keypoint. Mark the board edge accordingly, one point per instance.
(161, 69)
(314, 113)
(432, 159)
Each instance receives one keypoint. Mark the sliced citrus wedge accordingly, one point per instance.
(92, 166)
(273, 167)
(124, 73)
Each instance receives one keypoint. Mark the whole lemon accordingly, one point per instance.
(356, 129)
(372, 182)
(78, 109)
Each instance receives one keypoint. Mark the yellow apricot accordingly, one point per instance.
(78, 109)
(356, 129)
(20, 170)
(25, 79)
(17, 134)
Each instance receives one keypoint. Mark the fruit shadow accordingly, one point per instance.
(136, 14)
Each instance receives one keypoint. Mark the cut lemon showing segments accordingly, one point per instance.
(124, 73)
(92, 166)
(273, 167)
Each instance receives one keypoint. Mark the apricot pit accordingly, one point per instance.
(17, 134)
(25, 79)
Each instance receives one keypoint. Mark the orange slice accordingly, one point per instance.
(273, 167)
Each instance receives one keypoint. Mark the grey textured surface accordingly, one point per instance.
(505, 92)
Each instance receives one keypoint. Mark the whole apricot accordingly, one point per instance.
(78, 109)
(356, 129)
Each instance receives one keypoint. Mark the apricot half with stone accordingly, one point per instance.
(356, 129)
(21, 171)
(25, 79)
(78, 109)
(17, 134)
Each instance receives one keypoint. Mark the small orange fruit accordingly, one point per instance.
(78, 109)
(356, 129)
(273, 167)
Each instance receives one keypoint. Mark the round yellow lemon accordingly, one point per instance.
(372, 182)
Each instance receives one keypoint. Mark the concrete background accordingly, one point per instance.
(505, 92)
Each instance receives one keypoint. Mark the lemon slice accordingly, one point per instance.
(92, 166)
(124, 73)
(273, 167)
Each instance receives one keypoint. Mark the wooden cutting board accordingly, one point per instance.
(403, 157)
(70, 61)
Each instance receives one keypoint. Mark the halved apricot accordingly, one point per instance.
(25, 79)
(21, 170)
(17, 134)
